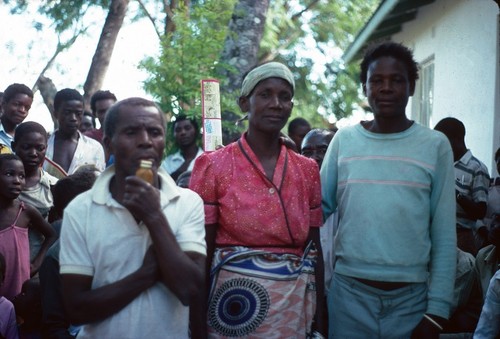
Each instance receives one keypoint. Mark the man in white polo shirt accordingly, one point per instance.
(132, 253)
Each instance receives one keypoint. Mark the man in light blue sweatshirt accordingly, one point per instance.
(392, 181)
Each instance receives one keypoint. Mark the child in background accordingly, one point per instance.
(15, 218)
(16, 103)
(30, 144)
(55, 322)
(28, 306)
(8, 326)
(67, 188)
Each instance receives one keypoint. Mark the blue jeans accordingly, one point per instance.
(357, 310)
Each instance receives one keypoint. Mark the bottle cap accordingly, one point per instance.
(146, 164)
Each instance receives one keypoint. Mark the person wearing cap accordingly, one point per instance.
(262, 217)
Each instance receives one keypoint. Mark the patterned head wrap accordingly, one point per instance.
(263, 72)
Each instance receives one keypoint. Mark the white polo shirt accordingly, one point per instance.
(100, 238)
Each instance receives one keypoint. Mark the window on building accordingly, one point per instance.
(423, 98)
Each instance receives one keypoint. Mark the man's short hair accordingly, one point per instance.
(8, 157)
(328, 134)
(390, 49)
(29, 127)
(14, 89)
(452, 128)
(64, 95)
(182, 117)
(111, 119)
(101, 95)
(296, 123)
(497, 154)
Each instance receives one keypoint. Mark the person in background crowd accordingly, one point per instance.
(471, 185)
(55, 323)
(67, 148)
(262, 208)
(100, 102)
(314, 146)
(186, 133)
(88, 122)
(133, 273)
(16, 104)
(392, 182)
(462, 318)
(297, 129)
(488, 258)
(486, 264)
(30, 144)
(29, 309)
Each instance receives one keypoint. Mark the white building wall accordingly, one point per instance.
(462, 36)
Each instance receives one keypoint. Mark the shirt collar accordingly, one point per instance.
(46, 179)
(178, 156)
(465, 158)
(2, 131)
(281, 163)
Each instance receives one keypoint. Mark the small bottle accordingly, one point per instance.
(145, 172)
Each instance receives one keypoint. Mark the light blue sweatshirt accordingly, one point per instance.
(396, 204)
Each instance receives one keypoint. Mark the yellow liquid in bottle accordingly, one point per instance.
(145, 172)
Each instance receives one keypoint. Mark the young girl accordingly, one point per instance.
(30, 144)
(15, 216)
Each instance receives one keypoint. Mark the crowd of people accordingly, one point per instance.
(384, 229)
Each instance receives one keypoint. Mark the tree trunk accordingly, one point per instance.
(48, 91)
(104, 50)
(242, 43)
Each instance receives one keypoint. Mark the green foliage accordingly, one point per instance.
(309, 36)
(66, 14)
(187, 56)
